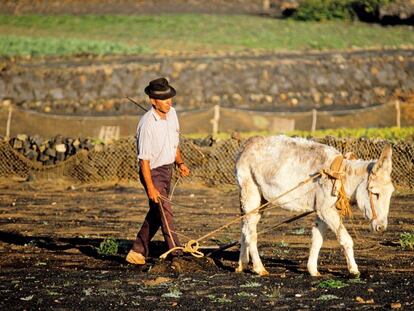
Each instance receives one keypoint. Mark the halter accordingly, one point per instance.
(371, 200)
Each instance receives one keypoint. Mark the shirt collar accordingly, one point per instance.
(157, 116)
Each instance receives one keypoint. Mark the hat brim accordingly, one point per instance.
(160, 94)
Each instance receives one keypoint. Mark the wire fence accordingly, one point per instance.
(213, 165)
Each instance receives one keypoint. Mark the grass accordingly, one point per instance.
(407, 240)
(173, 293)
(118, 34)
(390, 133)
(332, 284)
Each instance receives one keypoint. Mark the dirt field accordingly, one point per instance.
(50, 234)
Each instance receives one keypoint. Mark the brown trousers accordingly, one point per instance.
(161, 177)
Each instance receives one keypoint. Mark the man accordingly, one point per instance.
(158, 151)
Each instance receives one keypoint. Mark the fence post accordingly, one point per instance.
(314, 115)
(215, 120)
(266, 6)
(9, 122)
(398, 113)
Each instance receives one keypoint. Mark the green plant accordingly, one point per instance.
(283, 244)
(223, 299)
(273, 293)
(247, 295)
(251, 284)
(327, 297)
(299, 231)
(319, 10)
(407, 240)
(371, 6)
(332, 284)
(173, 293)
(108, 247)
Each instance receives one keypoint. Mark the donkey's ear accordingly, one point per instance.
(384, 163)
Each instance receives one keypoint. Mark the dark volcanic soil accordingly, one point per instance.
(49, 238)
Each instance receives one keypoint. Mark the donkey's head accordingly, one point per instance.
(374, 194)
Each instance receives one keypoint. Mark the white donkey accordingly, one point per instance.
(269, 166)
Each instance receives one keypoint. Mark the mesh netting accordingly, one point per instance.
(209, 165)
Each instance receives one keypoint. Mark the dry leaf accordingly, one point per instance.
(159, 280)
(395, 305)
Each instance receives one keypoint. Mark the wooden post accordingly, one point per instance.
(398, 113)
(314, 115)
(215, 120)
(9, 122)
(266, 6)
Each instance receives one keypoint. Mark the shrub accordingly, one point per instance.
(108, 247)
(407, 240)
(319, 10)
(371, 6)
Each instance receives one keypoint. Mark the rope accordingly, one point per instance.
(173, 188)
(287, 221)
(342, 204)
(193, 245)
(166, 223)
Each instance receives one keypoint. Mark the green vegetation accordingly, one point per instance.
(14, 45)
(327, 297)
(332, 284)
(173, 293)
(118, 34)
(251, 284)
(108, 247)
(281, 248)
(245, 294)
(390, 133)
(320, 10)
(407, 240)
(223, 299)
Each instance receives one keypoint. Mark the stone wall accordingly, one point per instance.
(276, 82)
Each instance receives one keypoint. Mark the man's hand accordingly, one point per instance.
(184, 170)
(153, 194)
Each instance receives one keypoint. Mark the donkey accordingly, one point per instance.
(269, 166)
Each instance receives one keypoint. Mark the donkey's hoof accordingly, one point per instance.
(262, 272)
(354, 274)
(239, 269)
(315, 274)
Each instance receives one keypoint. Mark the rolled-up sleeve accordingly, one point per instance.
(144, 143)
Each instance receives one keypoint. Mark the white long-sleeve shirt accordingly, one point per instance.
(157, 139)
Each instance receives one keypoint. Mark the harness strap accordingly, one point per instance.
(371, 203)
(337, 175)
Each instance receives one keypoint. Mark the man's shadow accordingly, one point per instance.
(88, 246)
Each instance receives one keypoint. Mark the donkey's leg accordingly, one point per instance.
(244, 254)
(254, 252)
(318, 234)
(334, 222)
(250, 199)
